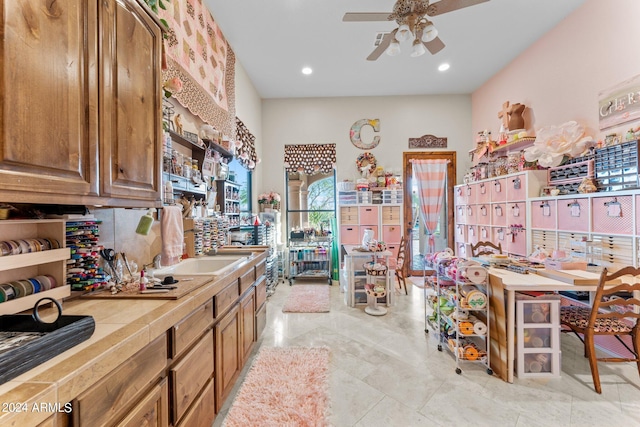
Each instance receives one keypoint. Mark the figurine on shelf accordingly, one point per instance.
(516, 121)
(177, 120)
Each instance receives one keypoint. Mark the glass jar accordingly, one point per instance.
(187, 168)
(482, 171)
(513, 162)
(501, 166)
(491, 169)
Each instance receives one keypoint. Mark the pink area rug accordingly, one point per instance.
(308, 299)
(286, 386)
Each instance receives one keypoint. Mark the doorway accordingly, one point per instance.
(414, 228)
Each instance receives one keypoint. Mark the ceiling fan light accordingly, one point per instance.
(403, 33)
(418, 49)
(393, 49)
(429, 33)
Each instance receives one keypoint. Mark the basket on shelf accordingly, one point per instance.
(375, 269)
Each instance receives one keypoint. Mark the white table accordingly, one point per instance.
(514, 282)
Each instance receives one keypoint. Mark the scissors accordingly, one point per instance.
(110, 255)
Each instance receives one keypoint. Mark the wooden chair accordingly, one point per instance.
(615, 311)
(401, 265)
(485, 248)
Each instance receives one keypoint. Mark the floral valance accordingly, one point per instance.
(198, 54)
(246, 146)
(310, 159)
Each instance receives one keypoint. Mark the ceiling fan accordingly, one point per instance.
(413, 21)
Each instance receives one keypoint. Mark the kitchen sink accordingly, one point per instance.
(203, 266)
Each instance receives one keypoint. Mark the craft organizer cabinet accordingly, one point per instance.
(457, 309)
(26, 265)
(538, 335)
(496, 210)
(607, 224)
(310, 260)
(228, 198)
(384, 219)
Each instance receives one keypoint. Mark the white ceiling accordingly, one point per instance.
(275, 39)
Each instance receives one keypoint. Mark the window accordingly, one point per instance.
(311, 201)
(242, 177)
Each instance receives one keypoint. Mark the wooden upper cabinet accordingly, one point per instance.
(48, 119)
(130, 101)
(80, 118)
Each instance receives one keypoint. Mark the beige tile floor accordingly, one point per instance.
(385, 371)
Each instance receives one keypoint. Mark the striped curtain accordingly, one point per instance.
(430, 178)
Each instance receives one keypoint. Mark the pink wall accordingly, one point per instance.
(559, 77)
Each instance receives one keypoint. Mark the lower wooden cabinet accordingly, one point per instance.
(152, 410)
(201, 413)
(189, 376)
(248, 324)
(228, 358)
(112, 397)
(261, 320)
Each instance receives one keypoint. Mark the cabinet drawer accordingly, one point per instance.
(152, 410)
(461, 214)
(498, 190)
(391, 233)
(190, 328)
(483, 194)
(517, 213)
(484, 233)
(483, 213)
(543, 214)
(247, 279)
(261, 320)
(613, 215)
(190, 375)
(260, 269)
(461, 233)
(368, 215)
(202, 413)
(226, 298)
(261, 292)
(472, 234)
(573, 214)
(391, 214)
(348, 215)
(349, 234)
(499, 214)
(469, 193)
(104, 401)
(517, 187)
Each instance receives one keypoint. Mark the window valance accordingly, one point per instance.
(246, 151)
(310, 159)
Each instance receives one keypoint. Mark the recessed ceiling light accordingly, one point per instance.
(307, 70)
(443, 67)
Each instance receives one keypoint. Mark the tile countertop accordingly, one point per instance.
(123, 327)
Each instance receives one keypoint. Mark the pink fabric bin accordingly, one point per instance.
(543, 214)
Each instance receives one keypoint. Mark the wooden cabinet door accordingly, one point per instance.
(247, 316)
(130, 103)
(48, 122)
(151, 411)
(227, 353)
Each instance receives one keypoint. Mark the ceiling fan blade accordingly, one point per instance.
(444, 6)
(434, 46)
(364, 17)
(384, 44)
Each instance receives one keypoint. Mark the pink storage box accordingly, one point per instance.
(565, 265)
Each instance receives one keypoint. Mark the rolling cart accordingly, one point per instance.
(310, 259)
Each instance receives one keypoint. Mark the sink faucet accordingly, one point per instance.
(213, 251)
(155, 263)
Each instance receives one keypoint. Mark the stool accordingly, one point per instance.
(373, 293)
